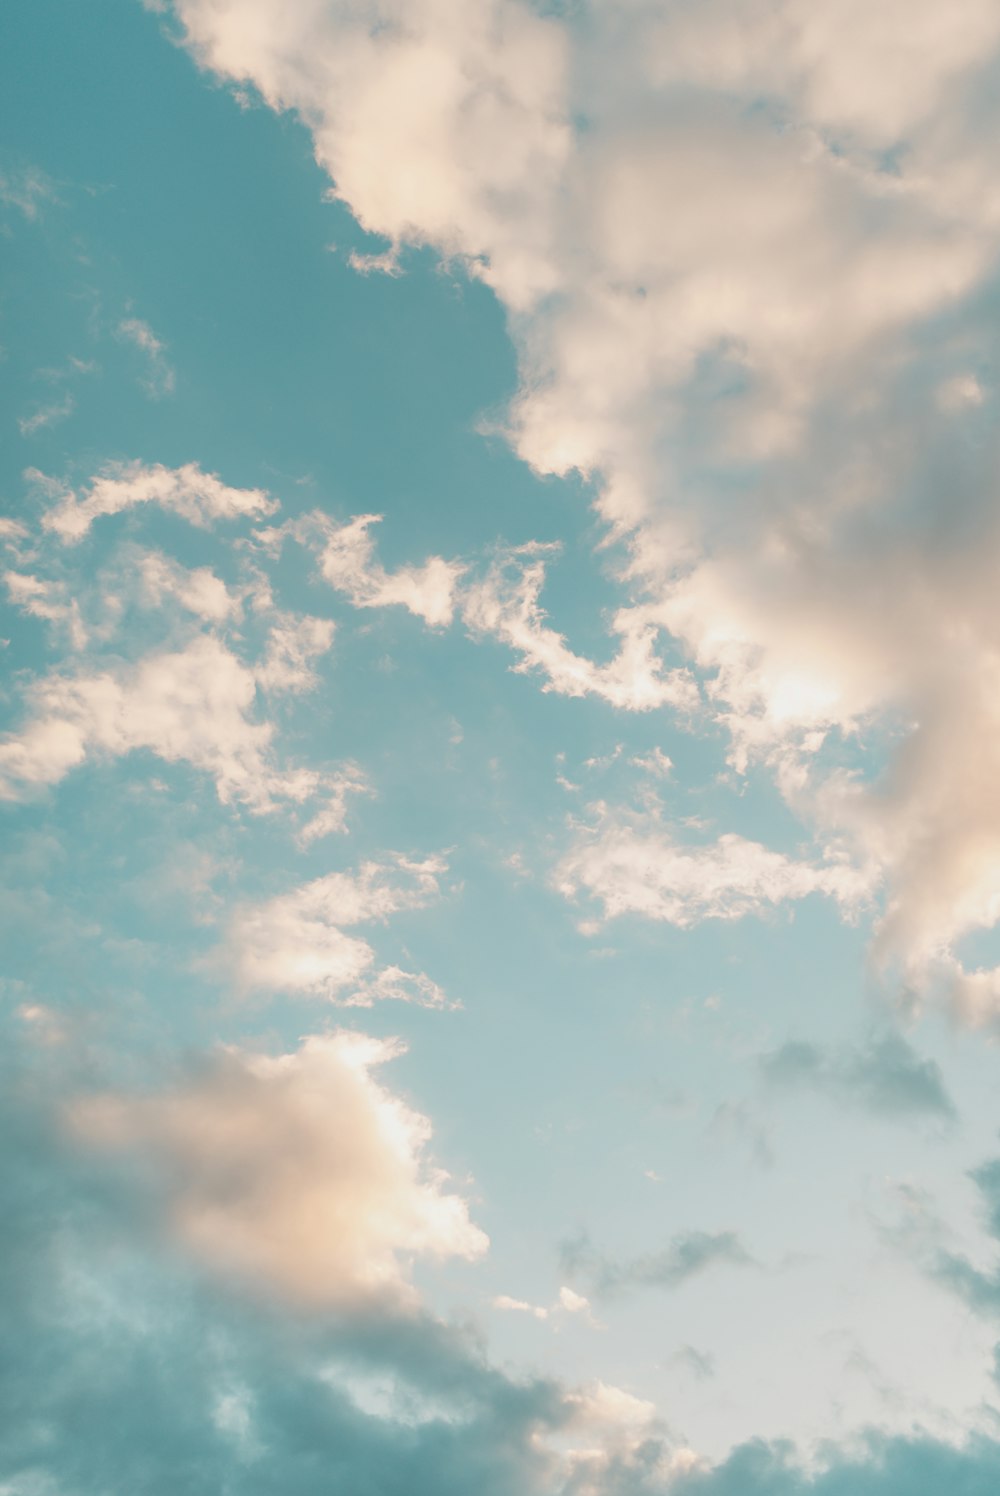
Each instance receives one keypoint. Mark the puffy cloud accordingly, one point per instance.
(298, 942)
(178, 1388)
(884, 1076)
(739, 244)
(198, 497)
(347, 561)
(192, 706)
(301, 1173)
(197, 588)
(633, 863)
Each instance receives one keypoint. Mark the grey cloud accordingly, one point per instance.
(884, 1076)
(700, 1363)
(918, 1466)
(686, 1255)
(979, 1289)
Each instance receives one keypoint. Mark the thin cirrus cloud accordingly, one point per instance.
(299, 1174)
(739, 246)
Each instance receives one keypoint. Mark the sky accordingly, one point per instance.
(498, 782)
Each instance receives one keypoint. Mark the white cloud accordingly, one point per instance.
(507, 1305)
(567, 1302)
(192, 705)
(159, 378)
(610, 1433)
(633, 864)
(294, 642)
(26, 189)
(298, 942)
(197, 589)
(738, 244)
(46, 599)
(655, 763)
(46, 415)
(198, 497)
(300, 1174)
(347, 561)
(506, 606)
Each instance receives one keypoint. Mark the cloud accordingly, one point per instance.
(26, 189)
(979, 1287)
(180, 1388)
(746, 261)
(197, 588)
(881, 1466)
(201, 498)
(300, 1174)
(566, 1302)
(347, 562)
(294, 642)
(41, 598)
(159, 379)
(298, 942)
(46, 415)
(885, 1076)
(505, 605)
(633, 863)
(688, 1254)
(192, 705)
(701, 1364)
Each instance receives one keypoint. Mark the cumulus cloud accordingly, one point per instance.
(885, 1076)
(193, 705)
(298, 942)
(299, 1173)
(196, 589)
(740, 246)
(201, 498)
(347, 561)
(202, 1388)
(633, 863)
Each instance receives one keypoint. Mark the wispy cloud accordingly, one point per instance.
(159, 379)
(687, 1255)
(884, 1076)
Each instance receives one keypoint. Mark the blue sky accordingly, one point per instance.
(499, 758)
